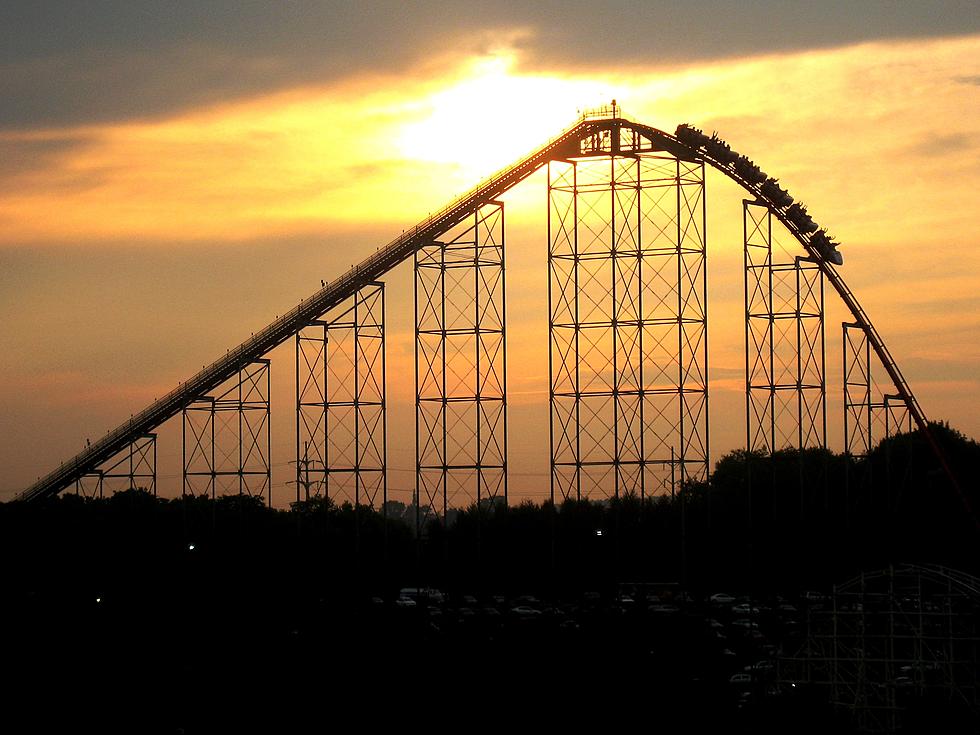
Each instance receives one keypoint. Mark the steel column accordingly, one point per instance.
(230, 438)
(134, 468)
(340, 411)
(460, 369)
(627, 324)
(870, 415)
(785, 383)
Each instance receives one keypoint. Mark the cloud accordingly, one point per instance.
(24, 154)
(312, 157)
(938, 144)
(700, 30)
(65, 62)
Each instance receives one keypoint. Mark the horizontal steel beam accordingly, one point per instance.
(565, 146)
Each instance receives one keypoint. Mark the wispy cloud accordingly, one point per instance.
(834, 125)
(65, 63)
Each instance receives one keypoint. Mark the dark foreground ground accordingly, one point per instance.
(142, 615)
(215, 659)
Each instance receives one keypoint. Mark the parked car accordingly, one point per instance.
(740, 680)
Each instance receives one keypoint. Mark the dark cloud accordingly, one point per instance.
(20, 156)
(973, 80)
(715, 29)
(940, 145)
(26, 164)
(951, 368)
(66, 61)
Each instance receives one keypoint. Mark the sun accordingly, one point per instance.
(491, 115)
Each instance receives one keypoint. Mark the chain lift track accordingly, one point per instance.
(577, 141)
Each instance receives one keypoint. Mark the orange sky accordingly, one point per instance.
(134, 251)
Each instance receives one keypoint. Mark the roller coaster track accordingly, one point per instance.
(567, 144)
(966, 583)
(829, 271)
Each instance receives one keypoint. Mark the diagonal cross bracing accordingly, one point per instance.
(340, 404)
(602, 136)
(785, 386)
(135, 467)
(628, 325)
(460, 369)
(226, 443)
(870, 414)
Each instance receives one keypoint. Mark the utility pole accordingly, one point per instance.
(303, 477)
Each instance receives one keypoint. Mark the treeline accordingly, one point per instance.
(803, 519)
(134, 594)
(762, 523)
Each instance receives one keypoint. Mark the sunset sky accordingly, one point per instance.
(174, 176)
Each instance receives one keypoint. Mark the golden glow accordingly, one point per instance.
(880, 140)
(324, 157)
(495, 114)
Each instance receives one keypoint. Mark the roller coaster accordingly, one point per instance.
(628, 340)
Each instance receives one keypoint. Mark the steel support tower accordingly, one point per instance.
(136, 467)
(627, 336)
(340, 404)
(869, 414)
(889, 637)
(226, 438)
(785, 350)
(460, 369)
(627, 292)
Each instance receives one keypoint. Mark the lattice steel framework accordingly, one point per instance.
(460, 368)
(627, 292)
(886, 638)
(603, 134)
(785, 383)
(340, 403)
(869, 414)
(134, 468)
(226, 439)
